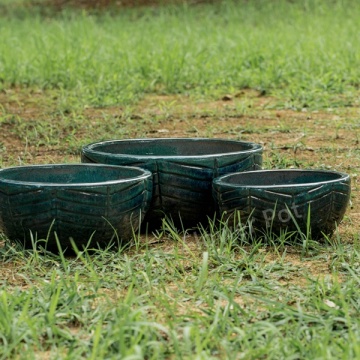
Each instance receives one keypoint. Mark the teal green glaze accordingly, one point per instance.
(76, 201)
(276, 199)
(183, 170)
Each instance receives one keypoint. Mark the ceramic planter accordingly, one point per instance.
(79, 201)
(278, 200)
(183, 171)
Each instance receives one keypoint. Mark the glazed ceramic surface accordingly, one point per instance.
(74, 200)
(183, 170)
(277, 199)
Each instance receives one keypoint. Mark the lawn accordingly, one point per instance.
(285, 75)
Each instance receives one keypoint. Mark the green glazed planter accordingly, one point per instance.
(278, 200)
(183, 171)
(79, 201)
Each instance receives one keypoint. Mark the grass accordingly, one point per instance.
(285, 48)
(214, 298)
(284, 75)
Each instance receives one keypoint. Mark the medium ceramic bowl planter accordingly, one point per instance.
(278, 200)
(183, 171)
(79, 201)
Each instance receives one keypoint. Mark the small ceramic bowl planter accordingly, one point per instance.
(81, 201)
(278, 200)
(183, 170)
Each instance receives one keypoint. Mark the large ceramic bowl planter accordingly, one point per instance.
(278, 200)
(183, 171)
(79, 201)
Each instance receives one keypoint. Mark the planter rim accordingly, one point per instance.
(91, 148)
(143, 174)
(222, 180)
